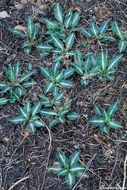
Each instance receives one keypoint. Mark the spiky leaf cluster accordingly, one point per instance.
(32, 32)
(16, 83)
(69, 168)
(61, 32)
(98, 33)
(103, 118)
(56, 77)
(29, 116)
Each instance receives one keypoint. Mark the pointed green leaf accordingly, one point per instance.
(49, 87)
(68, 72)
(86, 33)
(53, 122)
(114, 61)
(22, 112)
(60, 96)
(54, 169)
(45, 71)
(32, 127)
(94, 29)
(62, 158)
(97, 110)
(104, 129)
(74, 157)
(6, 88)
(27, 50)
(122, 45)
(117, 30)
(55, 67)
(115, 125)
(63, 172)
(97, 121)
(75, 18)
(102, 60)
(29, 84)
(35, 31)
(72, 116)
(70, 180)
(58, 13)
(103, 27)
(48, 112)
(30, 28)
(27, 45)
(19, 91)
(66, 84)
(78, 68)
(17, 32)
(82, 175)
(68, 21)
(17, 69)
(59, 76)
(26, 76)
(51, 24)
(36, 108)
(3, 101)
(75, 168)
(2, 84)
(28, 108)
(44, 47)
(61, 120)
(39, 123)
(70, 41)
(57, 42)
(17, 120)
(105, 37)
(113, 108)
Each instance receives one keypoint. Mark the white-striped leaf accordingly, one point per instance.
(62, 158)
(75, 168)
(73, 116)
(115, 125)
(39, 123)
(17, 32)
(26, 76)
(74, 157)
(54, 169)
(2, 84)
(68, 21)
(51, 24)
(22, 112)
(28, 108)
(114, 61)
(117, 30)
(113, 108)
(70, 180)
(30, 27)
(68, 72)
(61, 120)
(78, 68)
(104, 129)
(82, 175)
(35, 31)
(48, 112)
(97, 110)
(44, 47)
(6, 88)
(56, 67)
(60, 96)
(66, 84)
(106, 37)
(57, 42)
(94, 29)
(19, 91)
(36, 108)
(26, 45)
(49, 87)
(63, 172)
(86, 33)
(103, 27)
(17, 69)
(58, 13)
(97, 121)
(17, 120)
(122, 45)
(29, 84)
(59, 76)
(32, 127)
(45, 71)
(53, 122)
(3, 101)
(103, 61)
(70, 41)
(106, 115)
(75, 19)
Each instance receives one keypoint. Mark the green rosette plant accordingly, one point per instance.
(56, 77)
(61, 32)
(55, 100)
(16, 83)
(29, 116)
(98, 33)
(103, 118)
(86, 69)
(69, 167)
(60, 114)
(118, 31)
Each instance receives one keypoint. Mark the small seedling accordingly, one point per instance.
(98, 33)
(60, 114)
(88, 68)
(107, 68)
(32, 32)
(118, 31)
(56, 77)
(17, 82)
(61, 32)
(69, 168)
(103, 118)
(29, 115)
(55, 101)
